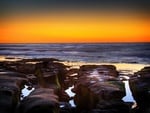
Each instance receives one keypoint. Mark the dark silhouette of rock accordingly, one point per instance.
(140, 87)
(71, 77)
(44, 72)
(41, 100)
(10, 90)
(99, 88)
(52, 75)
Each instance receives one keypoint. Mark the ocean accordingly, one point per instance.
(89, 52)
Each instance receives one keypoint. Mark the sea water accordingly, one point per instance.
(89, 52)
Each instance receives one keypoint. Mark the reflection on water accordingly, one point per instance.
(71, 94)
(25, 92)
(128, 97)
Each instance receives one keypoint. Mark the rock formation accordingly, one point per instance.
(140, 86)
(41, 100)
(99, 88)
(11, 84)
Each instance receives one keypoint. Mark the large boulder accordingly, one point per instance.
(9, 97)
(41, 100)
(52, 75)
(10, 90)
(140, 87)
(97, 86)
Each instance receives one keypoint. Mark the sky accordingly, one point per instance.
(74, 21)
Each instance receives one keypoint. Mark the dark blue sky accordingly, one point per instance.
(141, 4)
(8, 7)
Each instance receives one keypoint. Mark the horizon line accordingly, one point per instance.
(68, 42)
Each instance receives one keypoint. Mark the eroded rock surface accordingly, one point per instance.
(99, 88)
(46, 73)
(11, 84)
(41, 100)
(140, 86)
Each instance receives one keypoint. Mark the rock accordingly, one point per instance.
(140, 87)
(71, 77)
(66, 108)
(53, 75)
(109, 70)
(44, 72)
(19, 66)
(41, 100)
(10, 90)
(97, 85)
(9, 97)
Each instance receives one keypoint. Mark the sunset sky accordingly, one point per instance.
(80, 21)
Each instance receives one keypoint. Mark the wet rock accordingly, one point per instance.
(10, 90)
(109, 70)
(19, 66)
(44, 72)
(56, 69)
(41, 100)
(71, 77)
(9, 97)
(140, 87)
(28, 66)
(66, 108)
(52, 75)
(97, 85)
(63, 96)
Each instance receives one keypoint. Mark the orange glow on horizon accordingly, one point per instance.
(61, 29)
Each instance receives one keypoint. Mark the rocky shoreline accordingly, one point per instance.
(97, 88)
